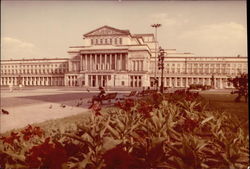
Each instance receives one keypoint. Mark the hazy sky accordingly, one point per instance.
(38, 29)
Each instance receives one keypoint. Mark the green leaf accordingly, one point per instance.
(109, 143)
(207, 120)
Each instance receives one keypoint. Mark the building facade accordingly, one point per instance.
(34, 72)
(112, 57)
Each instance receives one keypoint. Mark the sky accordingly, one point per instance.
(46, 29)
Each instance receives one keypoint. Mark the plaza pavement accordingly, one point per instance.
(33, 105)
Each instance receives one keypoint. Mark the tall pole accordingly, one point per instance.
(155, 26)
(162, 83)
(161, 66)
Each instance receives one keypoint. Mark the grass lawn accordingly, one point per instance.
(225, 102)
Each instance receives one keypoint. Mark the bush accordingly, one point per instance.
(159, 131)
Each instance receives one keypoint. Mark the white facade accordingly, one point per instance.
(33, 72)
(116, 58)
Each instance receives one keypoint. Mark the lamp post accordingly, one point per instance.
(156, 26)
(161, 66)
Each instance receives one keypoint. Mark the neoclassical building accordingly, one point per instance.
(34, 72)
(116, 58)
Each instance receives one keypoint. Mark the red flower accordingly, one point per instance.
(145, 109)
(186, 124)
(117, 158)
(10, 139)
(30, 131)
(126, 105)
(46, 155)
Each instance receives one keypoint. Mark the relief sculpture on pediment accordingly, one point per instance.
(105, 31)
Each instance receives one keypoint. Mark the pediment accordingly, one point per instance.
(106, 30)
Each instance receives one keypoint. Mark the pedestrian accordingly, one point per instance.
(98, 97)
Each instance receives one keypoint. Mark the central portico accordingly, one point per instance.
(110, 57)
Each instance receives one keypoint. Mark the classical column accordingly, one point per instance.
(192, 80)
(86, 61)
(122, 61)
(91, 61)
(181, 81)
(126, 61)
(101, 80)
(221, 84)
(175, 81)
(215, 83)
(115, 61)
(108, 61)
(119, 61)
(170, 81)
(186, 85)
(100, 59)
(105, 62)
(80, 62)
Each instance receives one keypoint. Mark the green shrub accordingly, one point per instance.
(158, 131)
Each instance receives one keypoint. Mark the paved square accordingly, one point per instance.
(33, 105)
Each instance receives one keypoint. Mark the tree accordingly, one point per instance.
(240, 82)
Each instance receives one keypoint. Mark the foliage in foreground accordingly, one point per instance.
(241, 84)
(176, 131)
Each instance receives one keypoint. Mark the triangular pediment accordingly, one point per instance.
(106, 30)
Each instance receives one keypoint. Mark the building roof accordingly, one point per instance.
(143, 34)
(111, 31)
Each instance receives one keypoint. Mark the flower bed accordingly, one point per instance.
(158, 131)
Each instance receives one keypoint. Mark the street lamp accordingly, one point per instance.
(155, 26)
(161, 66)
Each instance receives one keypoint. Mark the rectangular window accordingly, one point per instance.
(92, 41)
(120, 40)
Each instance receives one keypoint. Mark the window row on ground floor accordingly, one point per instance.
(33, 81)
(143, 81)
